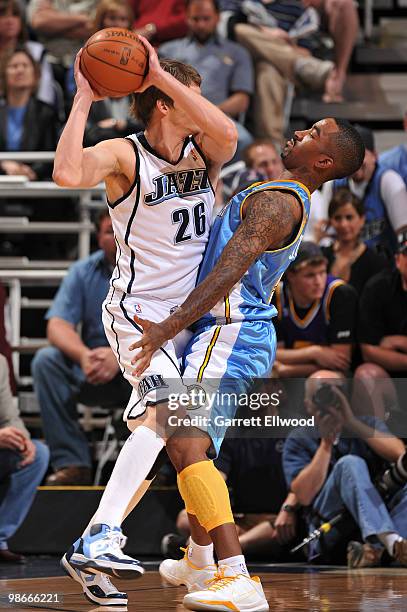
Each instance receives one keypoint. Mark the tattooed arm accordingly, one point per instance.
(270, 220)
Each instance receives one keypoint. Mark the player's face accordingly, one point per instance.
(266, 160)
(309, 147)
(309, 282)
(202, 19)
(106, 239)
(117, 18)
(367, 169)
(347, 223)
(20, 72)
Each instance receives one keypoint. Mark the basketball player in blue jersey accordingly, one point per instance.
(159, 187)
(252, 242)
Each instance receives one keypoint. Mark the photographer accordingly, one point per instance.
(330, 469)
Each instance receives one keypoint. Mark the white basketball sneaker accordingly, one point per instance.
(96, 587)
(101, 551)
(186, 573)
(229, 591)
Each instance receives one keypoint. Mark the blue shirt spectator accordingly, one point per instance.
(225, 67)
(80, 296)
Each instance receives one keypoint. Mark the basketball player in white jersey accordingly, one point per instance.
(159, 187)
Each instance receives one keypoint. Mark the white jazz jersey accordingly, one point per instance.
(162, 224)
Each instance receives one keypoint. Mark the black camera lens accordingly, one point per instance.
(325, 397)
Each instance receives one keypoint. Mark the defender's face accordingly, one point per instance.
(308, 147)
(309, 282)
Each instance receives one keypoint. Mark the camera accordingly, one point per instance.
(394, 478)
(325, 397)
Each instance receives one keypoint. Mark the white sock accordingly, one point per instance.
(201, 556)
(237, 563)
(134, 462)
(388, 539)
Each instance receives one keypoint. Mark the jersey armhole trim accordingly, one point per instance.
(202, 154)
(136, 177)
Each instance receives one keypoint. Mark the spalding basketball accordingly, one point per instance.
(114, 61)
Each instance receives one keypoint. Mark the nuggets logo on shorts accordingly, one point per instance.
(151, 383)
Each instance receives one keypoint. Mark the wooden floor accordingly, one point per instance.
(287, 589)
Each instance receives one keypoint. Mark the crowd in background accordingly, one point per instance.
(341, 308)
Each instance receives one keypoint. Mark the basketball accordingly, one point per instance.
(114, 61)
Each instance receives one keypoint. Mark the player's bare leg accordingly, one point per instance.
(207, 499)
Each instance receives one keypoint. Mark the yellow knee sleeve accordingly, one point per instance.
(205, 494)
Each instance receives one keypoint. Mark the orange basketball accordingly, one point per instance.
(114, 61)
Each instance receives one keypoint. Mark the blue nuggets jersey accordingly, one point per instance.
(250, 298)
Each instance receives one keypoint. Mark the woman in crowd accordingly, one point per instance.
(26, 123)
(13, 34)
(348, 257)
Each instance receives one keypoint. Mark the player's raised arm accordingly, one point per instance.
(270, 222)
(75, 166)
(217, 132)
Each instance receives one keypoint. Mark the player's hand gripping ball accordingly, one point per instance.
(114, 61)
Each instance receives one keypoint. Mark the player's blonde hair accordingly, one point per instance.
(144, 103)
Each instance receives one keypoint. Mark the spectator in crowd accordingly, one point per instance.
(62, 27)
(277, 34)
(13, 34)
(5, 348)
(225, 66)
(159, 21)
(316, 318)
(383, 318)
(23, 463)
(384, 196)
(396, 158)
(108, 118)
(78, 368)
(262, 163)
(348, 257)
(331, 469)
(340, 19)
(26, 123)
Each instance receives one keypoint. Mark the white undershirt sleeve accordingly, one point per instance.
(394, 195)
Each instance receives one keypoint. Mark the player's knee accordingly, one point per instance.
(184, 451)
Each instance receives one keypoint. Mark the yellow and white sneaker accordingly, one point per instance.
(184, 572)
(229, 591)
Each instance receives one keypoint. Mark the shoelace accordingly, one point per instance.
(220, 580)
(117, 539)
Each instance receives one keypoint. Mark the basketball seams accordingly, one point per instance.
(98, 59)
(103, 88)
